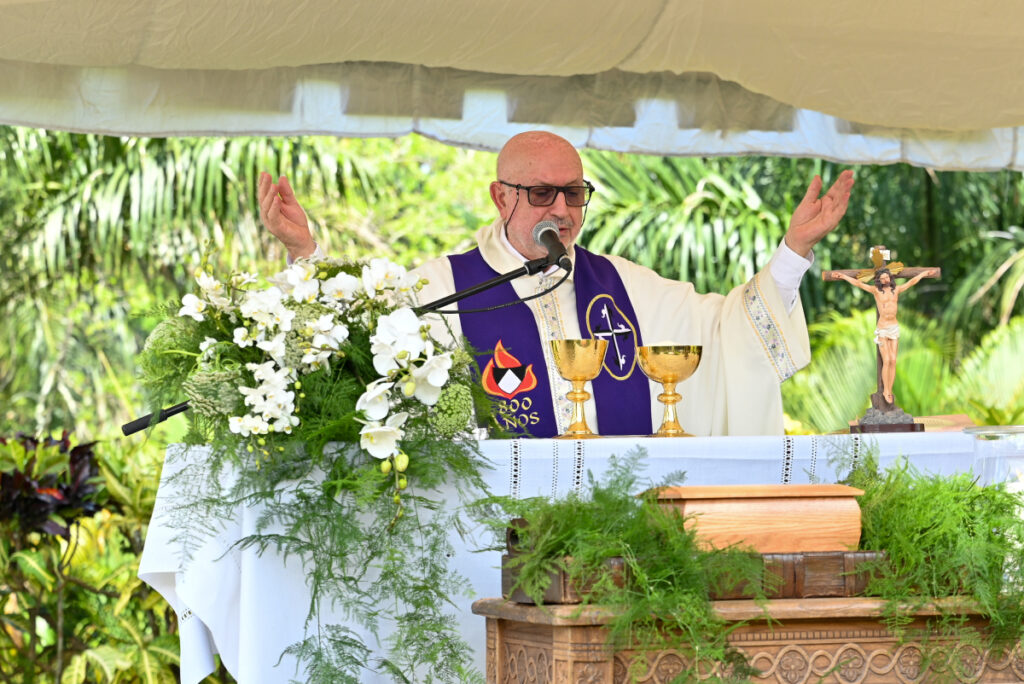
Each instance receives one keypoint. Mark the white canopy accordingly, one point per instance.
(934, 83)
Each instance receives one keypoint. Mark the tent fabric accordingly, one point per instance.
(933, 84)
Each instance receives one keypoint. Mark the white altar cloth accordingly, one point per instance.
(250, 608)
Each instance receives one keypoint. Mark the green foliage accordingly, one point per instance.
(661, 600)
(74, 608)
(943, 536)
(428, 200)
(991, 378)
(688, 219)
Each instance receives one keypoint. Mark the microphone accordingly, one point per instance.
(545, 234)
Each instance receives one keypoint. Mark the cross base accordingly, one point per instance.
(859, 428)
(885, 416)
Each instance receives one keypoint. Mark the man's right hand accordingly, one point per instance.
(283, 216)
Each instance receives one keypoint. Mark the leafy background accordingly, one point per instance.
(97, 231)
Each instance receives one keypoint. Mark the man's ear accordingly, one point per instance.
(498, 197)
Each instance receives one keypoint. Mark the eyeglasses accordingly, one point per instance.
(545, 195)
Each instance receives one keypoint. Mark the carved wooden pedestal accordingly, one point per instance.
(814, 640)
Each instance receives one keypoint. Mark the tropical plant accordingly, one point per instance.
(690, 220)
(72, 522)
(990, 379)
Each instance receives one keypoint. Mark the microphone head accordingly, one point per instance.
(543, 227)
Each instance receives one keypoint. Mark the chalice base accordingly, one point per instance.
(577, 431)
(671, 431)
(670, 426)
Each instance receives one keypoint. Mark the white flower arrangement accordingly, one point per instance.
(269, 339)
(322, 353)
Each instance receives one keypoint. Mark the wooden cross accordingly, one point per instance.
(880, 259)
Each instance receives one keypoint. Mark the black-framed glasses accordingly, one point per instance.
(545, 195)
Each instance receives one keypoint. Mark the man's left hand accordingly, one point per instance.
(816, 216)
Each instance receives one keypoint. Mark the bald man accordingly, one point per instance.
(753, 338)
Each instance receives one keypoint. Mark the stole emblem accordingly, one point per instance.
(606, 321)
(505, 375)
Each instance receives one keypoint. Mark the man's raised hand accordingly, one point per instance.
(283, 216)
(816, 216)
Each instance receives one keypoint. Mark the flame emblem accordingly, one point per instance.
(505, 376)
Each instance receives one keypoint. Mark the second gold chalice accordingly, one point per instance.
(670, 364)
(578, 361)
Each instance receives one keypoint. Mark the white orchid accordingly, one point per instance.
(327, 332)
(240, 280)
(267, 308)
(380, 275)
(381, 441)
(274, 347)
(306, 291)
(376, 400)
(193, 306)
(400, 330)
(341, 287)
(302, 271)
(242, 338)
(213, 290)
(430, 378)
(385, 357)
(248, 425)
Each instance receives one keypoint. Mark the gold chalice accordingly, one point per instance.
(578, 361)
(670, 364)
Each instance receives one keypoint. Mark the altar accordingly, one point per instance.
(251, 608)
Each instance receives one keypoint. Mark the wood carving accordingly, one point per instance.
(835, 640)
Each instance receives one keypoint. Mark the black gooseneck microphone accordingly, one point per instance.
(545, 234)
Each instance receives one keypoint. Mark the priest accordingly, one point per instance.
(753, 338)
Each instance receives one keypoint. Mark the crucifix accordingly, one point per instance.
(885, 415)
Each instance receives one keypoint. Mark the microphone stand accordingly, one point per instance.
(529, 268)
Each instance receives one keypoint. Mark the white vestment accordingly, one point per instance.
(750, 342)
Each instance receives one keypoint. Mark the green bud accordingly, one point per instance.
(409, 388)
(302, 395)
(261, 441)
(397, 498)
(402, 482)
(385, 466)
(401, 462)
(249, 449)
(402, 354)
(298, 384)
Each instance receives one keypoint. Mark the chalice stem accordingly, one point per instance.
(577, 421)
(670, 426)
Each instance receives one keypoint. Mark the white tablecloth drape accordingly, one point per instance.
(249, 608)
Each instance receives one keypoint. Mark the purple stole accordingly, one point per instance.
(512, 360)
